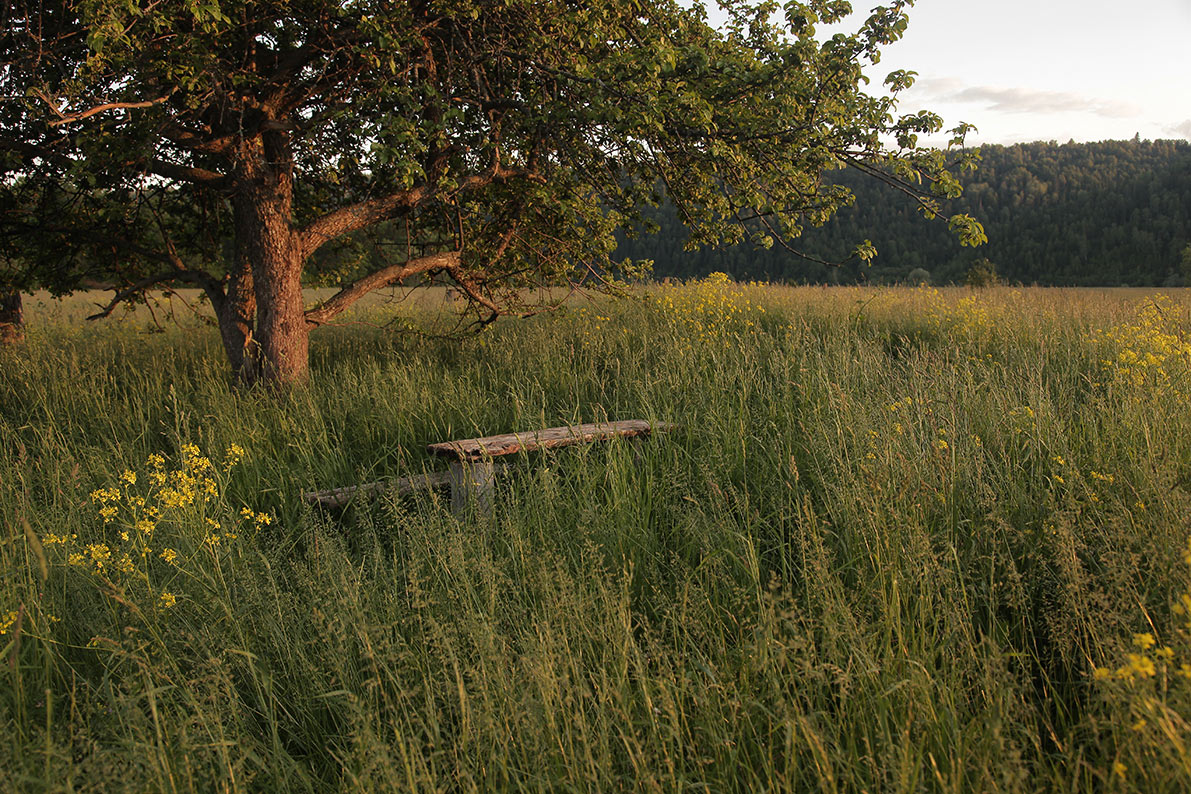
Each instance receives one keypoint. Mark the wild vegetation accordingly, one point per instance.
(904, 540)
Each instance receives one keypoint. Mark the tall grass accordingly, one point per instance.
(903, 540)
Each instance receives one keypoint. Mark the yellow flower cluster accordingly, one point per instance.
(1152, 690)
(970, 316)
(708, 308)
(169, 504)
(232, 457)
(1151, 352)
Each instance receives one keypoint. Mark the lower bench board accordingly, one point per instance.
(338, 497)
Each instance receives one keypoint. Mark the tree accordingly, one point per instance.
(982, 273)
(919, 276)
(498, 143)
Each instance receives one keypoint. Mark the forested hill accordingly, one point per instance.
(1110, 213)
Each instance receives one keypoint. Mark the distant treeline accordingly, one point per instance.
(1081, 214)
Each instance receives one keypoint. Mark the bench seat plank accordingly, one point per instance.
(549, 438)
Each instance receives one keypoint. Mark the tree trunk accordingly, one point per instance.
(12, 321)
(265, 239)
(235, 312)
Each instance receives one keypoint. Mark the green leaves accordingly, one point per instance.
(968, 229)
(865, 252)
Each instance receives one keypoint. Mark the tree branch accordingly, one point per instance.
(69, 118)
(358, 216)
(187, 276)
(374, 281)
(473, 291)
(185, 173)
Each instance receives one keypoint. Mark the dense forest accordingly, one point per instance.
(1080, 214)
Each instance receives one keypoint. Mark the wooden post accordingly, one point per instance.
(471, 486)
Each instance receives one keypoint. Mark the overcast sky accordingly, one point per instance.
(1028, 70)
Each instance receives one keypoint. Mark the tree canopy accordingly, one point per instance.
(497, 143)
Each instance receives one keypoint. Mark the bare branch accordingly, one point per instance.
(473, 291)
(185, 173)
(378, 280)
(69, 118)
(185, 276)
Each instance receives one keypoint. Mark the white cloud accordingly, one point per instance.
(1023, 100)
(1183, 129)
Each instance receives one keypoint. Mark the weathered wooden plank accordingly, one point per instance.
(337, 497)
(549, 438)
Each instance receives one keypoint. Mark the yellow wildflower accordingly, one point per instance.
(234, 454)
(99, 554)
(1141, 665)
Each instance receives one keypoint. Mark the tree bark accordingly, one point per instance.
(268, 243)
(235, 313)
(12, 321)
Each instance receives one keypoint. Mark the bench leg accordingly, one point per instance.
(471, 486)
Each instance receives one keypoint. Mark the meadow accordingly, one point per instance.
(904, 540)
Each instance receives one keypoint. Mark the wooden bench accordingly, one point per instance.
(472, 467)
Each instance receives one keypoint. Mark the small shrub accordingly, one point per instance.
(982, 273)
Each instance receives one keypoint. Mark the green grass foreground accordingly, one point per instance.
(903, 541)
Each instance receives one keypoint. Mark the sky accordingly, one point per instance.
(1041, 70)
